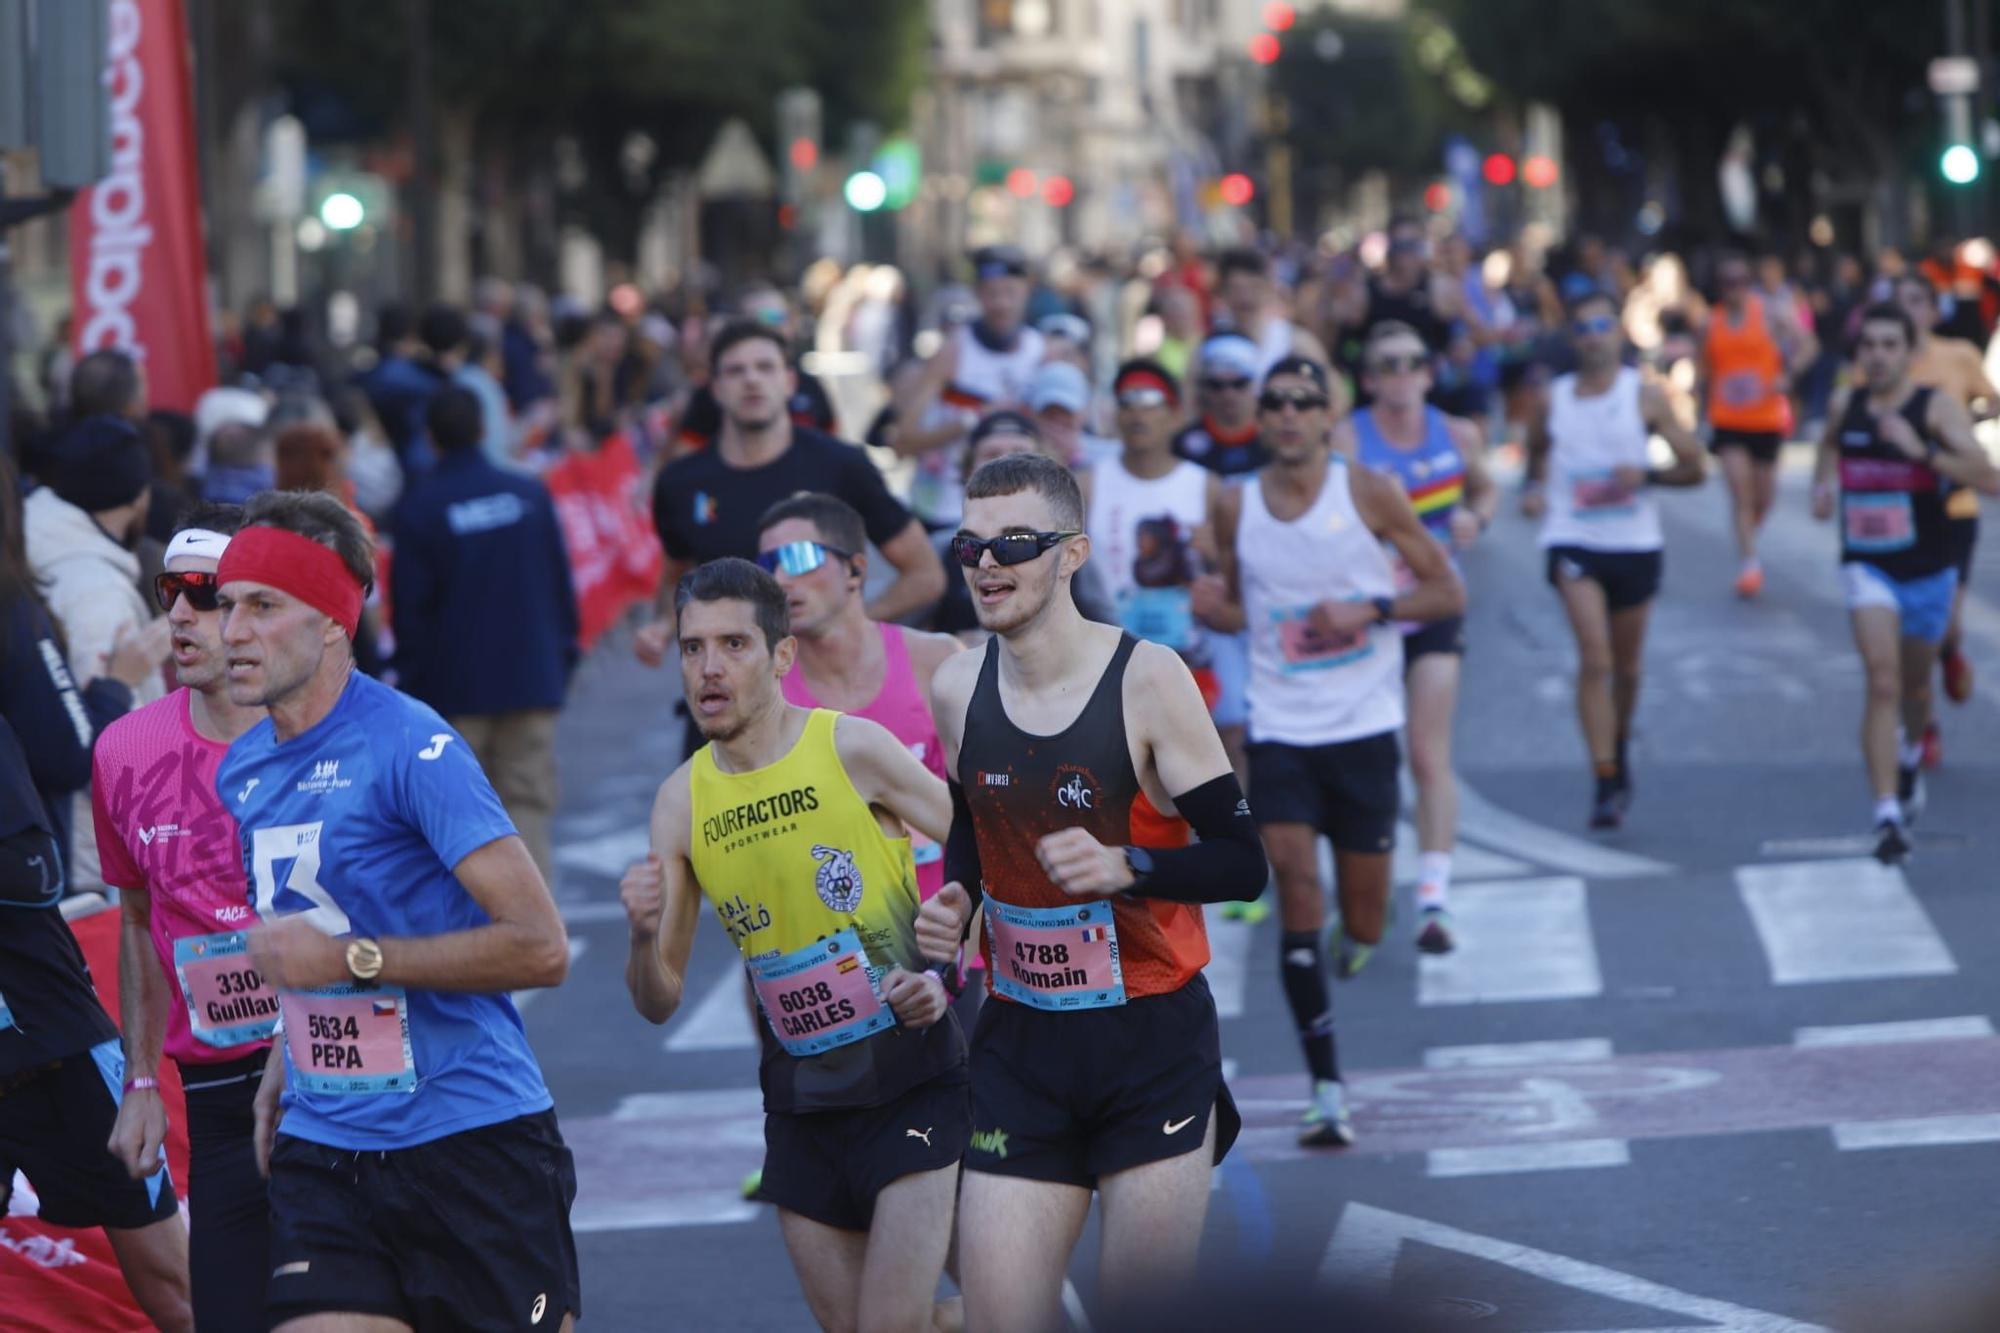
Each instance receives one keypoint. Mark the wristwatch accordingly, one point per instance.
(364, 959)
(1385, 609)
(1140, 862)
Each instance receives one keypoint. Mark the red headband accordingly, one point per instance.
(1147, 379)
(300, 566)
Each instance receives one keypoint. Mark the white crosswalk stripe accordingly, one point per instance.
(721, 1022)
(1846, 920)
(1520, 939)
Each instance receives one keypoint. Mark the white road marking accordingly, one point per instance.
(1480, 821)
(1228, 963)
(721, 1022)
(1583, 1050)
(1851, 920)
(590, 913)
(1467, 861)
(522, 998)
(1521, 939)
(1362, 1258)
(1928, 1131)
(688, 1208)
(1508, 1158)
(1916, 1029)
(608, 854)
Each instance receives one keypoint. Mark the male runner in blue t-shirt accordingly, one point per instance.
(418, 1179)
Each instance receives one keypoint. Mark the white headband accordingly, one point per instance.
(198, 542)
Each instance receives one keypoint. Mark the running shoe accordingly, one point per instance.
(1434, 931)
(1750, 582)
(1607, 807)
(1892, 843)
(1326, 1123)
(1250, 913)
(1957, 676)
(1349, 956)
(752, 1183)
(1933, 746)
(1910, 791)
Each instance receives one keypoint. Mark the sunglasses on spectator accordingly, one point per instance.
(796, 558)
(1143, 397)
(1009, 548)
(1399, 365)
(198, 588)
(1220, 385)
(1303, 400)
(1595, 324)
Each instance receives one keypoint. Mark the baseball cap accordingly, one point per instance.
(999, 261)
(1058, 384)
(1231, 353)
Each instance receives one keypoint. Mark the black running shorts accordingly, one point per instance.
(1347, 790)
(1629, 578)
(1439, 636)
(229, 1211)
(1761, 445)
(1075, 1096)
(1961, 535)
(54, 1125)
(828, 1166)
(470, 1231)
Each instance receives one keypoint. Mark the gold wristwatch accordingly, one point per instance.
(364, 959)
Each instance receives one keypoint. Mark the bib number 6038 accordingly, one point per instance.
(299, 844)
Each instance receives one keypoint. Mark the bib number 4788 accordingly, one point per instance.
(300, 845)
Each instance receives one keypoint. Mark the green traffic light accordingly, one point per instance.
(1959, 164)
(866, 191)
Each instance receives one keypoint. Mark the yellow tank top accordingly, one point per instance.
(789, 854)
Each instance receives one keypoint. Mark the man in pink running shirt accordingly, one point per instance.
(171, 850)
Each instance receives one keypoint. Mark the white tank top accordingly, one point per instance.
(985, 379)
(1141, 540)
(1588, 438)
(1305, 690)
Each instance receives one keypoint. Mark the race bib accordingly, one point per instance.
(6, 1015)
(1158, 615)
(1744, 388)
(1303, 648)
(228, 1004)
(1878, 522)
(820, 997)
(351, 1038)
(1598, 495)
(1056, 957)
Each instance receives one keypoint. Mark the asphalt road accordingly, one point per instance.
(1716, 1070)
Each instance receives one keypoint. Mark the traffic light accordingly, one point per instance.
(1540, 172)
(341, 211)
(1498, 169)
(1959, 164)
(1058, 191)
(1237, 189)
(1264, 48)
(865, 192)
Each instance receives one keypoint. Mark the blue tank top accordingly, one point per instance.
(1432, 474)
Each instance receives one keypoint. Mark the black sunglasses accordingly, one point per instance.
(1009, 548)
(1407, 364)
(1305, 400)
(1220, 385)
(198, 588)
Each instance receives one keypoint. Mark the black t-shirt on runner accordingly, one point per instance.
(48, 1007)
(705, 509)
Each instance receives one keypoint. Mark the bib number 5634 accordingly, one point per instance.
(300, 845)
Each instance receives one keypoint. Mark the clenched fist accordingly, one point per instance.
(941, 923)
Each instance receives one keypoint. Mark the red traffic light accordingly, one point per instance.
(804, 154)
(1539, 172)
(1058, 191)
(1264, 48)
(1236, 189)
(1021, 183)
(1279, 17)
(1437, 196)
(1498, 169)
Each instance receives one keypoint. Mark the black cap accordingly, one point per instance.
(100, 464)
(1304, 367)
(1005, 421)
(999, 261)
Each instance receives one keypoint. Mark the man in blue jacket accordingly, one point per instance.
(485, 612)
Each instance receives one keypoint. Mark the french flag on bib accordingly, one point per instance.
(1093, 933)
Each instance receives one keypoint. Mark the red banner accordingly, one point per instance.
(614, 554)
(58, 1279)
(138, 277)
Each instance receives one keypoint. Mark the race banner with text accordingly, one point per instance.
(138, 276)
(614, 554)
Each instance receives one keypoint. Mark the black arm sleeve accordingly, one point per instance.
(961, 849)
(1227, 865)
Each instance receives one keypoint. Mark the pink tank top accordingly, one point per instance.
(901, 707)
(163, 830)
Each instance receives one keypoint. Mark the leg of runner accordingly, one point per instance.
(906, 1250)
(1877, 636)
(1361, 883)
(1918, 661)
(1014, 1249)
(1584, 600)
(154, 1260)
(1293, 850)
(828, 1261)
(352, 1323)
(1153, 1217)
(1628, 660)
(1431, 691)
(1763, 495)
(1740, 471)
